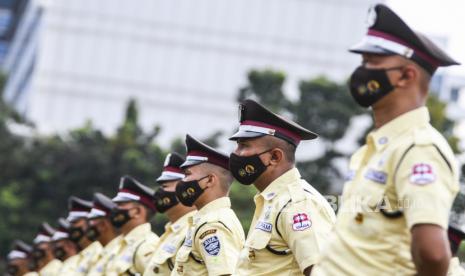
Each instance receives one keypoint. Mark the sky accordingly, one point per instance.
(441, 18)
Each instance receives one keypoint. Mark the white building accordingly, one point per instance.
(183, 60)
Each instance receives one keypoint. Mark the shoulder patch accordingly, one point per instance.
(212, 246)
(422, 174)
(300, 222)
(206, 233)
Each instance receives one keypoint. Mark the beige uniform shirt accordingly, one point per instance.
(212, 243)
(291, 224)
(455, 269)
(406, 174)
(135, 250)
(87, 257)
(51, 269)
(70, 265)
(31, 273)
(162, 261)
(108, 252)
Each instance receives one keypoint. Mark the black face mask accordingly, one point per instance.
(59, 253)
(120, 217)
(367, 86)
(32, 265)
(38, 254)
(188, 192)
(12, 269)
(92, 233)
(247, 169)
(164, 200)
(76, 234)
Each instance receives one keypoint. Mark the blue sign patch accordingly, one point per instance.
(212, 246)
(376, 176)
(264, 226)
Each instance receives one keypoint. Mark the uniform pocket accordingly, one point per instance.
(258, 240)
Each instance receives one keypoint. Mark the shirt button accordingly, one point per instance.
(251, 254)
(359, 218)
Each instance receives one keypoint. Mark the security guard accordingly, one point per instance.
(101, 229)
(215, 235)
(42, 253)
(18, 259)
(402, 182)
(90, 250)
(64, 249)
(456, 234)
(162, 261)
(132, 216)
(292, 220)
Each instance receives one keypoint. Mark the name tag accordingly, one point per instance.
(376, 176)
(169, 248)
(264, 226)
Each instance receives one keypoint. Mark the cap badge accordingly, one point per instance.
(371, 17)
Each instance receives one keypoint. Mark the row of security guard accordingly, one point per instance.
(393, 219)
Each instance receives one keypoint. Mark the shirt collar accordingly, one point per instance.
(222, 202)
(279, 184)
(388, 132)
(91, 248)
(112, 244)
(138, 232)
(178, 225)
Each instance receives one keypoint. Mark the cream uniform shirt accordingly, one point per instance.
(212, 243)
(52, 268)
(70, 265)
(108, 251)
(291, 224)
(406, 174)
(162, 261)
(455, 269)
(135, 249)
(88, 256)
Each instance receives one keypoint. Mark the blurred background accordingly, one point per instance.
(95, 89)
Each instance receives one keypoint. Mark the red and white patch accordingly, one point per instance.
(422, 174)
(300, 222)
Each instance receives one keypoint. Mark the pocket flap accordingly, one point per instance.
(259, 239)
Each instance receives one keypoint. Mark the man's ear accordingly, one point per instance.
(277, 156)
(409, 74)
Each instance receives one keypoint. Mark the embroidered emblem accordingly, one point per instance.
(206, 233)
(212, 246)
(300, 222)
(422, 174)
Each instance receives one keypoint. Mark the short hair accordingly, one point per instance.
(148, 212)
(288, 148)
(225, 177)
(424, 77)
